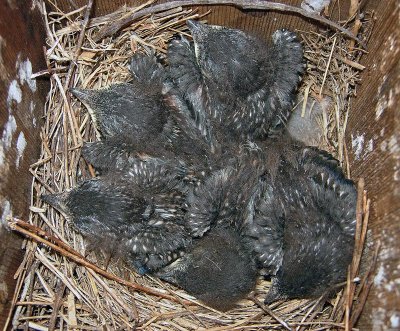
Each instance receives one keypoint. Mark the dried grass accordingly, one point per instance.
(62, 285)
(333, 72)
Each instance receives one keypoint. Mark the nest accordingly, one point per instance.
(64, 285)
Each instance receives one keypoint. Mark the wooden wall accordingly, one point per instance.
(375, 121)
(21, 102)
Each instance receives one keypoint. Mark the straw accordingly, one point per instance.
(61, 283)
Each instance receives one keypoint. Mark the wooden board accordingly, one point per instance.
(21, 103)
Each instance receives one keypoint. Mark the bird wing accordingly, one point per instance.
(147, 70)
(186, 92)
(330, 188)
(108, 154)
(288, 67)
(263, 226)
(270, 105)
(126, 167)
(156, 244)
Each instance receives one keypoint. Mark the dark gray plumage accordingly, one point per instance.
(301, 226)
(224, 196)
(141, 117)
(217, 269)
(137, 214)
(293, 208)
(221, 200)
(96, 206)
(134, 110)
(244, 84)
(128, 115)
(138, 172)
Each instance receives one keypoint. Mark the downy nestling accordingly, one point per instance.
(301, 226)
(139, 218)
(143, 116)
(128, 116)
(217, 269)
(245, 85)
(132, 111)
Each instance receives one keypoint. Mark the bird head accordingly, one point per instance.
(229, 58)
(217, 269)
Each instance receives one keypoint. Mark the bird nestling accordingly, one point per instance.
(144, 116)
(217, 269)
(243, 83)
(139, 218)
(135, 110)
(301, 226)
(127, 115)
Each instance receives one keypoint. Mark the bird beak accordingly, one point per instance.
(81, 94)
(56, 200)
(86, 97)
(173, 272)
(198, 30)
(199, 33)
(193, 25)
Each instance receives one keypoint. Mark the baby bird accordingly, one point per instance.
(96, 207)
(140, 218)
(243, 83)
(217, 269)
(134, 111)
(292, 207)
(301, 226)
(127, 115)
(141, 117)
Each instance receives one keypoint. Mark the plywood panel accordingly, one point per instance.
(260, 22)
(21, 103)
(374, 141)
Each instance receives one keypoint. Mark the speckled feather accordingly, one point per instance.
(144, 225)
(301, 226)
(142, 174)
(224, 196)
(221, 199)
(186, 80)
(240, 81)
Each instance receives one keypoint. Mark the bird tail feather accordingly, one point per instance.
(146, 69)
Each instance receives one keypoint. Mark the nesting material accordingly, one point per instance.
(64, 285)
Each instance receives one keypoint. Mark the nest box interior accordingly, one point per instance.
(372, 133)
